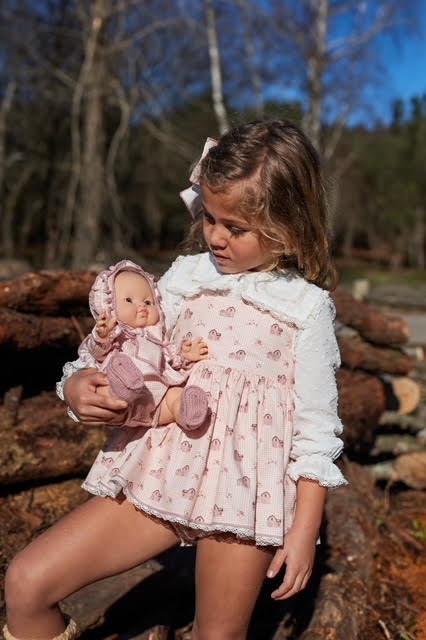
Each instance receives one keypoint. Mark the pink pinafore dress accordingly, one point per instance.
(230, 474)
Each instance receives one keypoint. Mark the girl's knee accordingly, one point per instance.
(23, 584)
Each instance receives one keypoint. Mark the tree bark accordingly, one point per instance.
(215, 69)
(48, 292)
(44, 443)
(24, 331)
(371, 324)
(341, 604)
(362, 400)
(315, 67)
(356, 353)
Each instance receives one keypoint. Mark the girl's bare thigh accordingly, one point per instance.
(100, 538)
(229, 576)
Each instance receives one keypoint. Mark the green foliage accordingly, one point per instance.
(418, 531)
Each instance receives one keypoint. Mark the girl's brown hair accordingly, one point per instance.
(283, 192)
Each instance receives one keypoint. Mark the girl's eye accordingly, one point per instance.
(129, 300)
(208, 218)
(235, 231)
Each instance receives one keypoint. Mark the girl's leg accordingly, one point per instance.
(229, 576)
(100, 538)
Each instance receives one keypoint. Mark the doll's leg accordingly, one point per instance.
(188, 407)
(101, 538)
(229, 576)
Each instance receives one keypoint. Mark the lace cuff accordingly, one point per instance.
(317, 467)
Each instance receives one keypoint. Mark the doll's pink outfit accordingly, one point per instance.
(270, 380)
(139, 363)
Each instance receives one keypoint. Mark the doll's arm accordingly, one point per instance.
(189, 352)
(99, 342)
(194, 350)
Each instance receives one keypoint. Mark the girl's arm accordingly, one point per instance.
(298, 552)
(88, 397)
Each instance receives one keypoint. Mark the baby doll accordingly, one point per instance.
(129, 346)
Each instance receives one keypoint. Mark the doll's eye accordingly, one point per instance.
(129, 300)
(148, 303)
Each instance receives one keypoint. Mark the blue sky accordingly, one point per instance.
(405, 67)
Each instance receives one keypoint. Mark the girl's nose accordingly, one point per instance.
(217, 237)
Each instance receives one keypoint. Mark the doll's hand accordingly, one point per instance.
(194, 350)
(88, 396)
(105, 324)
(298, 554)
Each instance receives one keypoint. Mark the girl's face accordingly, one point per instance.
(134, 300)
(234, 244)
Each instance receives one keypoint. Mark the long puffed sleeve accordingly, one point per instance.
(85, 361)
(316, 424)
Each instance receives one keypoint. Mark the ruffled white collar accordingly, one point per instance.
(286, 295)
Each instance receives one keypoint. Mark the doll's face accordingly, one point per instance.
(135, 304)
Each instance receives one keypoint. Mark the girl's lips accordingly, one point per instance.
(219, 257)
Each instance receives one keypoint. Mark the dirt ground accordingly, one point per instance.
(397, 593)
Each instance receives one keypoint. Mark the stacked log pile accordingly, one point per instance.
(43, 453)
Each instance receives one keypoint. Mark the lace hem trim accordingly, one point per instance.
(103, 492)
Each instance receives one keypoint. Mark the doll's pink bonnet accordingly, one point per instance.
(102, 295)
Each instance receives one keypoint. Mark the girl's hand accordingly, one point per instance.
(88, 396)
(298, 554)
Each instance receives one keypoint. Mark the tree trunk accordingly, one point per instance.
(44, 442)
(359, 354)
(316, 62)
(370, 323)
(88, 219)
(48, 292)
(25, 332)
(362, 401)
(215, 69)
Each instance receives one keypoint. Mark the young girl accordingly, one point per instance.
(249, 487)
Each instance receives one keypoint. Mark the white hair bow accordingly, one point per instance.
(192, 196)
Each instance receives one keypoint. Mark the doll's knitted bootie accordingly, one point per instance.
(125, 379)
(70, 633)
(194, 408)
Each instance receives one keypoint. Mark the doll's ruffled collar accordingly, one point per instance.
(284, 294)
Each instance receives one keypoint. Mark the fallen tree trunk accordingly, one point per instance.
(44, 442)
(341, 605)
(24, 331)
(362, 400)
(369, 322)
(48, 292)
(356, 353)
